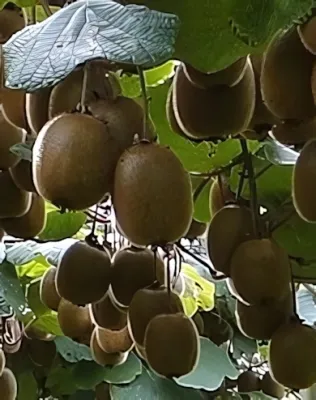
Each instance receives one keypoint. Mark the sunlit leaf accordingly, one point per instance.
(62, 225)
(48, 323)
(34, 268)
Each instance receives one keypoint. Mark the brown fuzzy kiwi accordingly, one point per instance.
(9, 136)
(61, 173)
(16, 202)
(202, 113)
(114, 341)
(270, 387)
(216, 328)
(2, 233)
(102, 391)
(261, 321)
(124, 119)
(229, 76)
(248, 381)
(294, 132)
(292, 353)
(8, 385)
(140, 351)
(41, 353)
(147, 211)
(220, 195)
(48, 291)
(2, 361)
(303, 182)
(196, 229)
(13, 106)
(32, 332)
(253, 264)
(11, 22)
(167, 354)
(106, 315)
(36, 105)
(30, 224)
(74, 321)
(286, 96)
(229, 227)
(83, 274)
(103, 358)
(146, 304)
(133, 269)
(307, 33)
(22, 176)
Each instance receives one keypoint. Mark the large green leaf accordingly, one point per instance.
(33, 269)
(49, 323)
(124, 373)
(214, 364)
(62, 225)
(60, 381)
(88, 374)
(34, 299)
(72, 351)
(27, 386)
(202, 204)
(19, 3)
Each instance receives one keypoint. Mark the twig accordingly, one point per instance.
(200, 188)
(241, 183)
(293, 292)
(46, 8)
(145, 98)
(310, 288)
(263, 170)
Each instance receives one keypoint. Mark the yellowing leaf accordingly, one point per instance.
(190, 306)
(34, 268)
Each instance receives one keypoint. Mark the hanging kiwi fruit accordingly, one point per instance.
(2, 361)
(48, 292)
(307, 32)
(8, 385)
(248, 381)
(42, 353)
(216, 328)
(105, 314)
(147, 211)
(114, 341)
(36, 105)
(83, 274)
(294, 132)
(11, 21)
(196, 230)
(22, 176)
(220, 194)
(61, 173)
(270, 387)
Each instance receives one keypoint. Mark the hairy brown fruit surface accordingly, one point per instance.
(28, 225)
(248, 381)
(8, 385)
(196, 229)
(13, 106)
(16, 202)
(292, 355)
(22, 176)
(216, 328)
(36, 105)
(62, 173)
(114, 341)
(83, 274)
(293, 132)
(103, 358)
(172, 345)
(304, 182)
(10, 22)
(147, 211)
(106, 315)
(229, 227)
(74, 321)
(260, 270)
(2, 361)
(307, 32)
(220, 195)
(145, 305)
(270, 387)
(48, 291)
(41, 353)
(133, 269)
(202, 113)
(285, 95)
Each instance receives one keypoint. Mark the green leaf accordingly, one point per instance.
(202, 205)
(27, 386)
(83, 395)
(88, 374)
(61, 226)
(33, 269)
(149, 386)
(49, 323)
(34, 299)
(124, 373)
(214, 364)
(279, 154)
(72, 351)
(61, 381)
(19, 3)
(243, 345)
(40, 13)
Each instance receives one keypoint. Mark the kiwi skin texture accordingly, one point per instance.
(306, 32)
(8, 385)
(83, 274)
(196, 229)
(229, 227)
(294, 132)
(114, 341)
(286, 96)
(59, 169)
(270, 387)
(248, 381)
(103, 358)
(293, 366)
(36, 104)
(48, 293)
(28, 225)
(218, 197)
(106, 315)
(143, 178)
(10, 22)
(166, 354)
(303, 182)
(2, 361)
(22, 176)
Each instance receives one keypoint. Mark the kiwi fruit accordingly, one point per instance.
(2, 361)
(9, 136)
(11, 22)
(28, 225)
(306, 33)
(229, 227)
(13, 106)
(199, 322)
(216, 328)
(124, 119)
(22, 176)
(270, 387)
(61, 173)
(147, 211)
(36, 105)
(41, 353)
(172, 345)
(140, 351)
(199, 112)
(145, 305)
(102, 391)
(32, 332)
(106, 315)
(248, 381)
(133, 269)
(2, 233)
(294, 132)
(74, 321)
(8, 385)
(83, 274)
(303, 190)
(292, 353)
(196, 229)
(114, 341)
(220, 195)
(16, 202)
(260, 321)
(286, 96)
(103, 358)
(229, 76)
(48, 291)
(253, 264)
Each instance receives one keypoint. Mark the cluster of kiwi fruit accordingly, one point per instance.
(8, 383)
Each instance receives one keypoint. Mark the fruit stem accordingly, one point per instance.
(252, 187)
(293, 293)
(1, 67)
(46, 8)
(145, 99)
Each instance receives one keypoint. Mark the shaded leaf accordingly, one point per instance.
(23, 150)
(83, 395)
(27, 386)
(279, 154)
(48, 323)
(124, 373)
(34, 299)
(88, 374)
(243, 345)
(72, 351)
(214, 364)
(42, 54)
(60, 381)
(202, 211)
